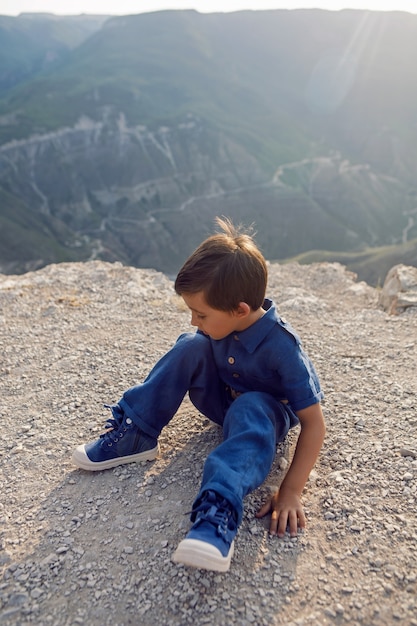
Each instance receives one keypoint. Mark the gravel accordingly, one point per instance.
(81, 548)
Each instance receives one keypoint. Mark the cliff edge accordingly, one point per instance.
(78, 548)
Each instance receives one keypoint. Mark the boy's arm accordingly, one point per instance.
(285, 506)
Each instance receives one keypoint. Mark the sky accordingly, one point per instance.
(126, 7)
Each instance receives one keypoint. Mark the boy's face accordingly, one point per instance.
(213, 322)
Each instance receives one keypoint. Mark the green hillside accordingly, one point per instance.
(371, 265)
(34, 240)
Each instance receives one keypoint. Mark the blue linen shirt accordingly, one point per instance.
(268, 357)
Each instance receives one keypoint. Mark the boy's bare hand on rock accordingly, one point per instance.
(286, 513)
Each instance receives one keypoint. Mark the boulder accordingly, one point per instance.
(400, 289)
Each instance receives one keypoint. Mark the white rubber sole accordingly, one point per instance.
(81, 460)
(202, 555)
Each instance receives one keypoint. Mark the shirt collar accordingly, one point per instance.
(255, 334)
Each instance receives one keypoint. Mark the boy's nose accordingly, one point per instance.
(193, 320)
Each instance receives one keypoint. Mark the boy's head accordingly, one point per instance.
(227, 268)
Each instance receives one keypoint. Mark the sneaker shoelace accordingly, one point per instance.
(114, 430)
(217, 513)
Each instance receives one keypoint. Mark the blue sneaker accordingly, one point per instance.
(123, 443)
(210, 541)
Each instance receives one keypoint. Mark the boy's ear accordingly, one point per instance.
(243, 309)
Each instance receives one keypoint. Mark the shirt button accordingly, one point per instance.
(231, 360)
(235, 375)
(236, 337)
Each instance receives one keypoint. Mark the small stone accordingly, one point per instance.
(356, 528)
(17, 449)
(17, 599)
(408, 452)
(283, 463)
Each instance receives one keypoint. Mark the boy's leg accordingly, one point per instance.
(188, 366)
(145, 409)
(253, 425)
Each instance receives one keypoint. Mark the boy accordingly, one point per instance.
(244, 369)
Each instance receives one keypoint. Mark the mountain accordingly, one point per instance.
(301, 122)
(34, 42)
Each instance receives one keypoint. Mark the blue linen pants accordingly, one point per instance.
(253, 423)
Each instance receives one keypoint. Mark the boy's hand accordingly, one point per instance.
(286, 511)
(285, 505)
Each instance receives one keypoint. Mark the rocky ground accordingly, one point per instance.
(82, 548)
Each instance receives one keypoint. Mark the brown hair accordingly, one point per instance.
(228, 268)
